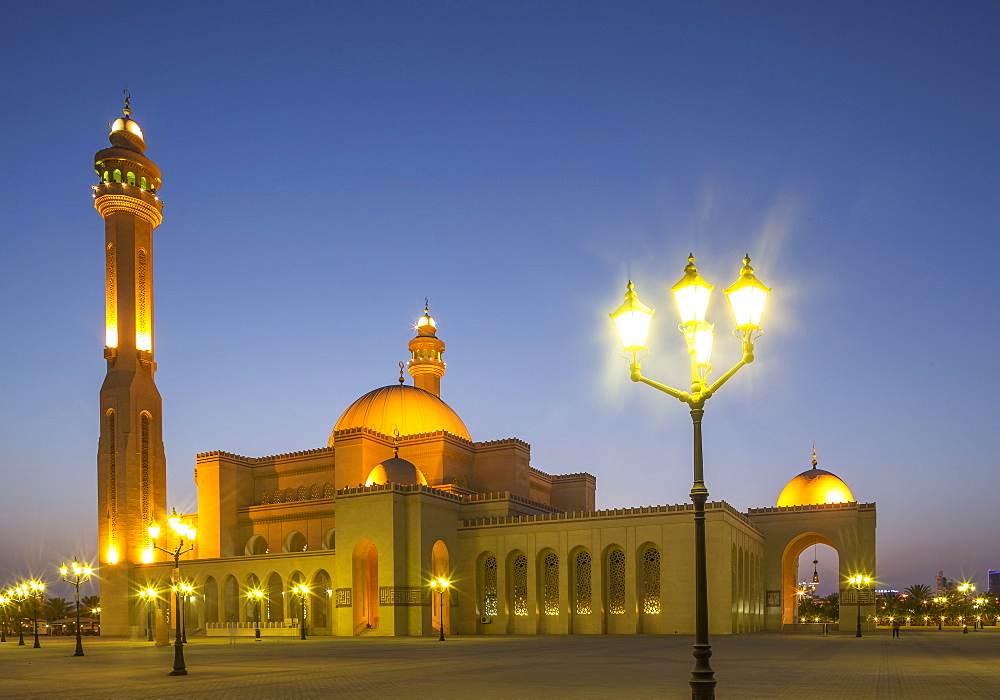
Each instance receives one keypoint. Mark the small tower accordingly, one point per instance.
(426, 366)
(131, 466)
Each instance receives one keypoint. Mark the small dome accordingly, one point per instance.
(126, 134)
(396, 471)
(403, 408)
(815, 486)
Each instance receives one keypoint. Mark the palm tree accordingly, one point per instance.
(88, 603)
(58, 608)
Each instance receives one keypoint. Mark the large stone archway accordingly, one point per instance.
(847, 527)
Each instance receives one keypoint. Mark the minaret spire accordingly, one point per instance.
(426, 366)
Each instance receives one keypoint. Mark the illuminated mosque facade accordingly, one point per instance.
(402, 494)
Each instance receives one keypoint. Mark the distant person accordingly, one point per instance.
(895, 629)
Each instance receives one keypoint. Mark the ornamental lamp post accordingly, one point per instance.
(5, 602)
(747, 298)
(150, 595)
(302, 591)
(80, 574)
(183, 534)
(440, 585)
(187, 592)
(19, 594)
(257, 595)
(35, 589)
(859, 581)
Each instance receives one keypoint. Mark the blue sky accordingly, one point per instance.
(328, 165)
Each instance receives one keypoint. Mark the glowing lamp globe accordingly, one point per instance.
(703, 338)
(632, 321)
(691, 294)
(154, 530)
(747, 298)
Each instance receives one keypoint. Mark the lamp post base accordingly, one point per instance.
(79, 644)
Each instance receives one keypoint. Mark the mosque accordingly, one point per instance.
(402, 495)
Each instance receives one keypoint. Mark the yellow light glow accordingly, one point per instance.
(191, 533)
(112, 554)
(747, 298)
(702, 344)
(64, 570)
(154, 530)
(111, 335)
(174, 519)
(692, 294)
(144, 341)
(147, 556)
(631, 321)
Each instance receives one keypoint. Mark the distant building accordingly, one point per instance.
(944, 585)
(994, 582)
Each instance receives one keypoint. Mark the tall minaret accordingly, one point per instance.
(426, 366)
(131, 469)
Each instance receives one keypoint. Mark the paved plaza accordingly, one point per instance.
(923, 664)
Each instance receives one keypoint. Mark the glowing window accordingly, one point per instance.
(616, 582)
(582, 589)
(490, 586)
(550, 584)
(651, 581)
(519, 585)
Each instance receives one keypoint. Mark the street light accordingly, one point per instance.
(747, 297)
(859, 581)
(184, 533)
(35, 589)
(80, 574)
(5, 602)
(258, 595)
(187, 592)
(150, 595)
(440, 585)
(19, 594)
(302, 591)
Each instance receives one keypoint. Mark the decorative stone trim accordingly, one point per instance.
(107, 204)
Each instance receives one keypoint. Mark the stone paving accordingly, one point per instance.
(924, 664)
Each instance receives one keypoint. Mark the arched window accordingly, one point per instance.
(582, 592)
(303, 493)
(143, 332)
(651, 581)
(327, 490)
(519, 584)
(295, 542)
(550, 584)
(112, 487)
(489, 575)
(144, 507)
(315, 491)
(265, 498)
(110, 301)
(278, 496)
(142, 182)
(130, 178)
(616, 582)
(106, 177)
(256, 545)
(330, 539)
(117, 175)
(289, 494)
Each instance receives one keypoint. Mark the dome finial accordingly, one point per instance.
(126, 109)
(401, 379)
(814, 462)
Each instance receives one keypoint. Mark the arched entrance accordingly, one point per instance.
(790, 572)
(440, 604)
(364, 568)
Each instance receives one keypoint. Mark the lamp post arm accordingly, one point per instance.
(636, 376)
(745, 360)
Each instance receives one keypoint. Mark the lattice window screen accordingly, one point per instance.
(582, 604)
(616, 582)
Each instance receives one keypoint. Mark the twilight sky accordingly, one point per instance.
(328, 165)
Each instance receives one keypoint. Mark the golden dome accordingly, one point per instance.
(396, 471)
(815, 486)
(403, 408)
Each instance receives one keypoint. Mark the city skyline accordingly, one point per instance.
(517, 165)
